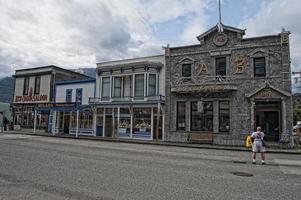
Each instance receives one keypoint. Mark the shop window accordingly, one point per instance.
(181, 116)
(259, 67)
(142, 123)
(139, 85)
(26, 86)
(220, 66)
(68, 95)
(79, 95)
(224, 116)
(152, 85)
(86, 119)
(124, 129)
(117, 86)
(202, 116)
(105, 87)
(186, 70)
(37, 85)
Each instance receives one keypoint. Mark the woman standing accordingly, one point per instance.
(258, 145)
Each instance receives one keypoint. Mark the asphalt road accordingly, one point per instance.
(33, 167)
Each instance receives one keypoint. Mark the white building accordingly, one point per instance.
(129, 98)
(72, 113)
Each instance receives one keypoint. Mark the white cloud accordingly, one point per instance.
(76, 33)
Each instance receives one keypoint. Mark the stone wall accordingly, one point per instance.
(239, 54)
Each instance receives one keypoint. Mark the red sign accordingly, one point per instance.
(31, 98)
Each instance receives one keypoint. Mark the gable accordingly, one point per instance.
(215, 31)
(268, 91)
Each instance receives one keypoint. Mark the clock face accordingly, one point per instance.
(220, 39)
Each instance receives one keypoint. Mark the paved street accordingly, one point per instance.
(34, 167)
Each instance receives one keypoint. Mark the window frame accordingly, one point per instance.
(37, 88)
(217, 66)
(152, 85)
(219, 116)
(120, 87)
(26, 85)
(68, 95)
(102, 86)
(182, 115)
(77, 98)
(264, 66)
(202, 117)
(190, 71)
(143, 83)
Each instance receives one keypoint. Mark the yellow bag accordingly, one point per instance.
(248, 142)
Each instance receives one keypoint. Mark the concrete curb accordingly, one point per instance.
(166, 143)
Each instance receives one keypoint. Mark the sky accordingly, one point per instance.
(80, 33)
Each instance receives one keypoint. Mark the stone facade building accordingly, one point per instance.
(222, 88)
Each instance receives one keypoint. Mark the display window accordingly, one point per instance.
(124, 129)
(142, 123)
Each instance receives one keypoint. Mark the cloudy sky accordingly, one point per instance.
(79, 33)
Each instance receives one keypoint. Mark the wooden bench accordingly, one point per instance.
(206, 137)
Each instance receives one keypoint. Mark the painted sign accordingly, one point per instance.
(57, 105)
(31, 98)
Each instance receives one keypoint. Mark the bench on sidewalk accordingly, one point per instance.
(206, 137)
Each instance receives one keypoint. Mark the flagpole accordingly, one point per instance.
(220, 16)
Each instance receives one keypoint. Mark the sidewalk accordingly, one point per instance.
(163, 143)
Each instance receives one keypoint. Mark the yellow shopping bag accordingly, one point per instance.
(248, 142)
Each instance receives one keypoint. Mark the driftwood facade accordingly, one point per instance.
(222, 88)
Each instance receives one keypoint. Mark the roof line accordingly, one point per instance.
(112, 61)
(52, 66)
(75, 81)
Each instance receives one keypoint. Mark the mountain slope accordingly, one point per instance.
(6, 89)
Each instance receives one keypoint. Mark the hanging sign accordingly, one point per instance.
(200, 106)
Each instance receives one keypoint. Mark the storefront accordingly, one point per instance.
(35, 89)
(129, 98)
(129, 122)
(24, 116)
(67, 118)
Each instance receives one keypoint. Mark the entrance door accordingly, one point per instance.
(108, 126)
(267, 117)
(271, 126)
(66, 122)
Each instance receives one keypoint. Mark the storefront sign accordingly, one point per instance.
(267, 93)
(31, 98)
(57, 105)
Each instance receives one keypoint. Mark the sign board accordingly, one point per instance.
(30, 98)
(200, 106)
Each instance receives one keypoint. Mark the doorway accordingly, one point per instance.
(268, 118)
(66, 122)
(108, 126)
